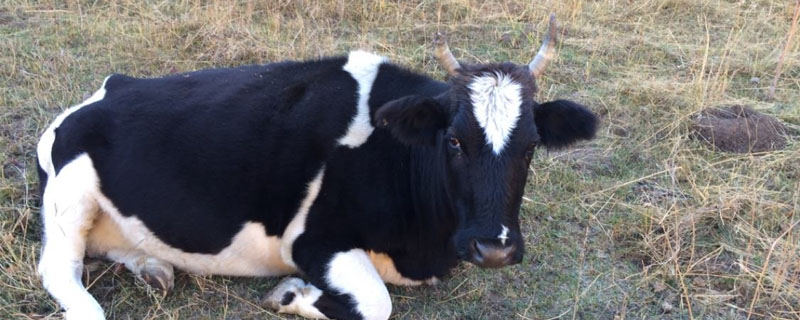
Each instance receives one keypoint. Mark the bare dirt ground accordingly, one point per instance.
(740, 129)
(645, 222)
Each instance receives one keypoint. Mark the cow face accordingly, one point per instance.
(484, 131)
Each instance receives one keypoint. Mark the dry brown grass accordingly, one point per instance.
(644, 222)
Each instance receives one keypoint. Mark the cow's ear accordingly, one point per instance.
(412, 119)
(563, 122)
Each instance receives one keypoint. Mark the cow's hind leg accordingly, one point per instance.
(342, 285)
(157, 273)
(68, 212)
(106, 241)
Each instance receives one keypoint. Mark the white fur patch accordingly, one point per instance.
(496, 100)
(68, 212)
(503, 234)
(45, 146)
(352, 272)
(363, 67)
(297, 226)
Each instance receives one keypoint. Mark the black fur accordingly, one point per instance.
(287, 298)
(562, 122)
(42, 180)
(413, 119)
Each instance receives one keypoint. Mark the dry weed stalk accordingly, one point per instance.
(789, 36)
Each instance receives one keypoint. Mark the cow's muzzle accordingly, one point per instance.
(492, 254)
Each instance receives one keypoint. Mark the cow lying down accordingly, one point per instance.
(349, 172)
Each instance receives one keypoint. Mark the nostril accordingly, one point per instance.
(481, 248)
(478, 253)
(489, 254)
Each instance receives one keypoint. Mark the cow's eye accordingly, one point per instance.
(454, 143)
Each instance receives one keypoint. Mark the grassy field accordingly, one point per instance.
(642, 223)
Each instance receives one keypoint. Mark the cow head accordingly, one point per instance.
(485, 129)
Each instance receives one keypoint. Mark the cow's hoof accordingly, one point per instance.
(287, 292)
(158, 274)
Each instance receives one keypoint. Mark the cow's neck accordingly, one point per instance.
(435, 215)
(432, 223)
(426, 174)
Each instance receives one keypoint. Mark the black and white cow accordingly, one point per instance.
(350, 171)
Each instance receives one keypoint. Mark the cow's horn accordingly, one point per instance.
(547, 51)
(443, 54)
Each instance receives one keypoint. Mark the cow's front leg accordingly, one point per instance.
(295, 296)
(342, 285)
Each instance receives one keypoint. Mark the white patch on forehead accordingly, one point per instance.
(503, 234)
(496, 100)
(363, 67)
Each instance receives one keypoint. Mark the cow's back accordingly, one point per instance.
(203, 153)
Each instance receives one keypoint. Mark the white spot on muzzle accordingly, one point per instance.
(503, 235)
(496, 100)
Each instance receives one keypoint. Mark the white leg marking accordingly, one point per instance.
(363, 67)
(68, 211)
(300, 301)
(503, 234)
(297, 226)
(45, 146)
(496, 101)
(352, 273)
